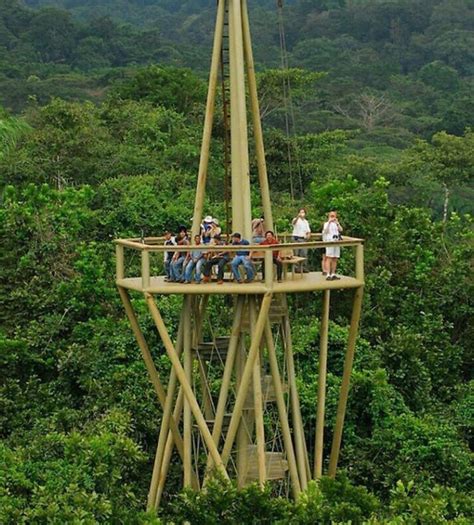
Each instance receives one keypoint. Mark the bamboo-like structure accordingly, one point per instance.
(231, 404)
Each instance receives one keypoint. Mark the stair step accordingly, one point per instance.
(213, 350)
(276, 465)
(268, 392)
(210, 423)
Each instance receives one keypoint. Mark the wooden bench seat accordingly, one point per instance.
(291, 262)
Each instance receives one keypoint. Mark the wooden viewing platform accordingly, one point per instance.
(305, 282)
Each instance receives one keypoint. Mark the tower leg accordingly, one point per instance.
(227, 375)
(246, 377)
(165, 421)
(187, 389)
(298, 430)
(346, 377)
(257, 123)
(188, 369)
(283, 416)
(147, 358)
(323, 358)
(258, 403)
(168, 453)
(208, 120)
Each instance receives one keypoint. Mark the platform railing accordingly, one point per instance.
(152, 245)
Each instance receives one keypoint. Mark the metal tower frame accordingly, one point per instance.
(225, 427)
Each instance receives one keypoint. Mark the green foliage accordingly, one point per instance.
(74, 478)
(327, 501)
(383, 136)
(175, 88)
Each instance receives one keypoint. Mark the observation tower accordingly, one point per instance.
(231, 400)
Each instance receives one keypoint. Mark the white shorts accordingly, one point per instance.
(333, 251)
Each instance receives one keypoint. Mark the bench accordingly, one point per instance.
(291, 262)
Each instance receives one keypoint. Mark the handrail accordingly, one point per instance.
(128, 243)
(146, 249)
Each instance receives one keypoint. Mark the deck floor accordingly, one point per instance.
(312, 281)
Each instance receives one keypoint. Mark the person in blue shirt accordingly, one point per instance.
(242, 257)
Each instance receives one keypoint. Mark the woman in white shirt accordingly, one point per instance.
(301, 233)
(331, 232)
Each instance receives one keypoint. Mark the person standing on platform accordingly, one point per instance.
(331, 232)
(301, 233)
(258, 230)
(242, 257)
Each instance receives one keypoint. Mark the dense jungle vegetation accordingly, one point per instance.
(100, 137)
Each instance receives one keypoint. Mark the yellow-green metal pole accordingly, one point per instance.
(243, 433)
(246, 377)
(346, 377)
(145, 269)
(257, 124)
(227, 374)
(359, 258)
(119, 262)
(165, 422)
(188, 369)
(178, 409)
(323, 359)
(241, 201)
(258, 404)
(283, 416)
(187, 390)
(209, 117)
(298, 430)
(150, 366)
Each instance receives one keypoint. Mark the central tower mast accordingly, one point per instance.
(232, 26)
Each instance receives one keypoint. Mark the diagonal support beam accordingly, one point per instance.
(147, 358)
(323, 360)
(346, 378)
(165, 422)
(283, 416)
(227, 375)
(258, 403)
(246, 376)
(208, 120)
(187, 389)
(298, 430)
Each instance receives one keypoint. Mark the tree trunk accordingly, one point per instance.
(446, 202)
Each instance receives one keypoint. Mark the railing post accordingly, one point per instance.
(268, 262)
(359, 262)
(145, 269)
(119, 262)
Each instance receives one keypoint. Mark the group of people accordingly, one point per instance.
(192, 262)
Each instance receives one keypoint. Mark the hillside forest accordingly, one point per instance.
(101, 119)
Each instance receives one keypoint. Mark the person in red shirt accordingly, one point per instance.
(271, 239)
